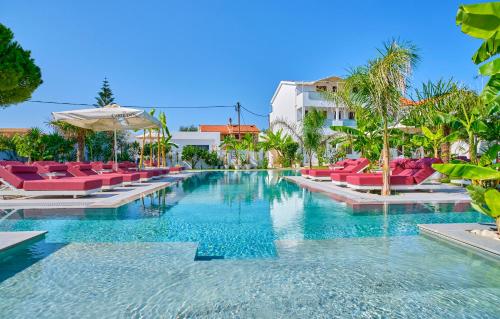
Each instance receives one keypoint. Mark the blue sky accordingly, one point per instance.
(197, 53)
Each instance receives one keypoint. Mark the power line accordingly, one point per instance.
(135, 106)
(252, 112)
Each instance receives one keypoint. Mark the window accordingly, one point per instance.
(334, 89)
(340, 115)
(334, 115)
(321, 88)
(351, 115)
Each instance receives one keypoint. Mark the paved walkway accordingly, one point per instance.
(445, 194)
(109, 199)
(460, 234)
(11, 239)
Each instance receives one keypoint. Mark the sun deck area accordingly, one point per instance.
(439, 193)
(109, 199)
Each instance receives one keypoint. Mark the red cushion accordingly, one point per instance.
(21, 169)
(410, 164)
(342, 177)
(302, 171)
(423, 173)
(407, 172)
(320, 172)
(66, 184)
(376, 180)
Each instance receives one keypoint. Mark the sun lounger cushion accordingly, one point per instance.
(17, 174)
(376, 180)
(62, 185)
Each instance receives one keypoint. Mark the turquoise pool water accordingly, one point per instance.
(245, 244)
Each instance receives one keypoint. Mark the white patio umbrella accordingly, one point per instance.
(111, 117)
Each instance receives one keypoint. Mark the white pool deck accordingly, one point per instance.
(460, 234)
(439, 194)
(12, 239)
(108, 199)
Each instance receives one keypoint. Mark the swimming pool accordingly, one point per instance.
(226, 244)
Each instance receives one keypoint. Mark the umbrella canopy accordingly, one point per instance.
(108, 118)
(111, 117)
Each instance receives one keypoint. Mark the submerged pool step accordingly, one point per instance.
(204, 255)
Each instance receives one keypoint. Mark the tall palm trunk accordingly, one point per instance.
(158, 158)
(141, 160)
(445, 147)
(164, 149)
(386, 173)
(80, 150)
(472, 149)
(150, 148)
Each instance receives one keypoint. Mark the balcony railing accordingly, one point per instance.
(350, 123)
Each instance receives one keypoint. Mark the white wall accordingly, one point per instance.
(284, 103)
(212, 139)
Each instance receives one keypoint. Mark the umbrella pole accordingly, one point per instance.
(116, 156)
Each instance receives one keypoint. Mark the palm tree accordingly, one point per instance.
(313, 134)
(248, 142)
(380, 85)
(73, 132)
(228, 144)
(152, 113)
(275, 141)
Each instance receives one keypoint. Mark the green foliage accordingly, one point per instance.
(105, 95)
(212, 159)
(483, 21)
(19, 75)
(35, 145)
(289, 154)
(193, 154)
(467, 171)
(314, 142)
(99, 145)
(433, 140)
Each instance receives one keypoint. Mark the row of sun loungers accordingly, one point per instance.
(406, 174)
(49, 178)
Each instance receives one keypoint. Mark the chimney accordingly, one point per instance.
(230, 121)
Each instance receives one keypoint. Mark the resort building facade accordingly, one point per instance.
(293, 99)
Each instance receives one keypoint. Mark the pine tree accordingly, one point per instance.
(105, 95)
(19, 75)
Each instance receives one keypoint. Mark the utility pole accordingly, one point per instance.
(238, 110)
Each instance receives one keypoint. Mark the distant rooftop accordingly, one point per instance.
(13, 131)
(229, 129)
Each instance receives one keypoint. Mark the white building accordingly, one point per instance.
(293, 99)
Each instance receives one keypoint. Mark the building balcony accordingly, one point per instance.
(315, 99)
(350, 123)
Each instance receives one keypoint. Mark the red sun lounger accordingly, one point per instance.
(23, 180)
(107, 169)
(339, 178)
(62, 171)
(413, 176)
(349, 166)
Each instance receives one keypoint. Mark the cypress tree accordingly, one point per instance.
(19, 75)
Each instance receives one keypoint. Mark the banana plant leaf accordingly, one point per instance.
(490, 91)
(492, 199)
(467, 171)
(480, 20)
(488, 49)
(490, 68)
